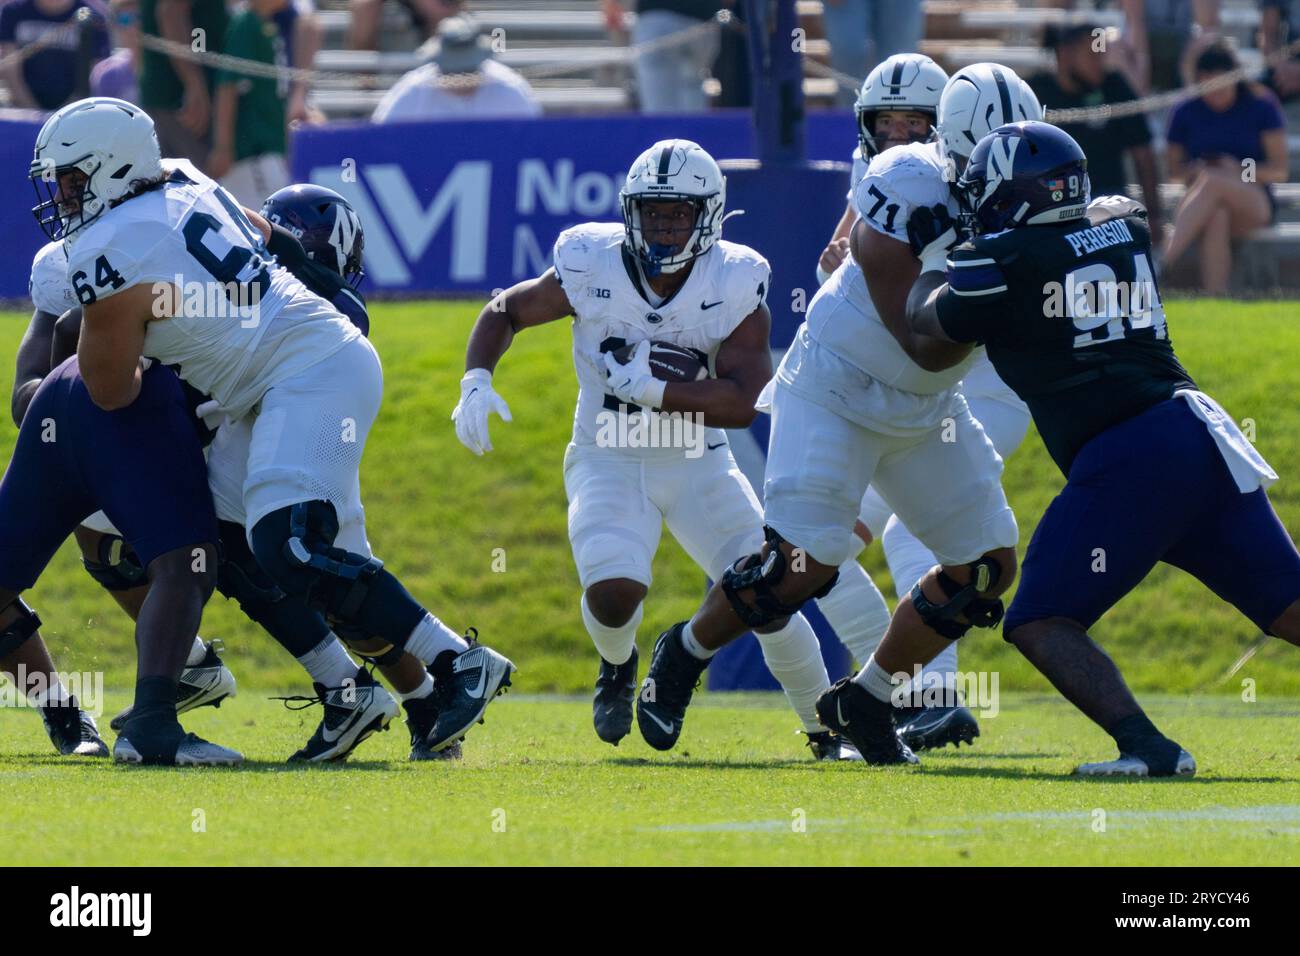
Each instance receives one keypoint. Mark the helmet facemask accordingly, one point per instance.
(60, 216)
(872, 143)
(658, 258)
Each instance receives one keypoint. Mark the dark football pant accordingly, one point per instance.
(1154, 488)
(142, 465)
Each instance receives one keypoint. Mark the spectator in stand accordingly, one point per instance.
(1160, 32)
(864, 32)
(461, 81)
(1082, 79)
(301, 30)
(670, 79)
(250, 125)
(1228, 146)
(1279, 26)
(48, 78)
(366, 15)
(177, 92)
(115, 76)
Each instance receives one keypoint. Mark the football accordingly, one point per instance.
(669, 362)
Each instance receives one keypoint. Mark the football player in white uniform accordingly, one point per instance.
(664, 275)
(165, 263)
(851, 409)
(913, 82)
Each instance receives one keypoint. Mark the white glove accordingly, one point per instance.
(211, 414)
(934, 257)
(634, 383)
(478, 400)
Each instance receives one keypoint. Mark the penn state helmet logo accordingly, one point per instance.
(654, 318)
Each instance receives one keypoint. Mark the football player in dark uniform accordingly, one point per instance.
(1062, 294)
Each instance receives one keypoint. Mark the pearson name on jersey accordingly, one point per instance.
(841, 317)
(240, 323)
(1072, 320)
(612, 308)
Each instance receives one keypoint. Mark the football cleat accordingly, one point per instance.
(830, 746)
(666, 691)
(421, 714)
(353, 711)
(193, 751)
(611, 709)
(1128, 765)
(868, 723)
(73, 731)
(924, 728)
(477, 675)
(208, 682)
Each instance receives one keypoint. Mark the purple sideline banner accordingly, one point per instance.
(464, 206)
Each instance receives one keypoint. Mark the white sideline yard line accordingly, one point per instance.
(1262, 816)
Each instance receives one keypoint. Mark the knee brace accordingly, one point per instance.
(116, 567)
(760, 574)
(962, 601)
(20, 631)
(295, 547)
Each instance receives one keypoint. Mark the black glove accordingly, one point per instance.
(929, 223)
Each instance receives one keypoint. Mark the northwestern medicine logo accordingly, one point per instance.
(77, 909)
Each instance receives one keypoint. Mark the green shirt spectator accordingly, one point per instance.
(249, 135)
(160, 86)
(260, 113)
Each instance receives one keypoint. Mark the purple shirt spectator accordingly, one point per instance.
(1206, 134)
(116, 77)
(49, 75)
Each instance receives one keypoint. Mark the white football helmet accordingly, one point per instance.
(674, 170)
(977, 100)
(906, 81)
(112, 141)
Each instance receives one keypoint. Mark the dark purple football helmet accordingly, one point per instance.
(1024, 174)
(326, 225)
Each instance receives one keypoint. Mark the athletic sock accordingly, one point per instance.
(875, 680)
(1136, 736)
(431, 637)
(856, 610)
(794, 657)
(328, 663)
(908, 558)
(424, 690)
(155, 703)
(694, 647)
(615, 644)
(197, 653)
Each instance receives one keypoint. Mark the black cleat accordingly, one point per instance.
(666, 691)
(850, 711)
(353, 711)
(828, 746)
(478, 674)
(611, 710)
(207, 683)
(924, 728)
(421, 715)
(73, 731)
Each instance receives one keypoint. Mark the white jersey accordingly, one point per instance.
(48, 286)
(859, 170)
(843, 345)
(604, 287)
(191, 235)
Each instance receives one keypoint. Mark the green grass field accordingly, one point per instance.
(437, 516)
